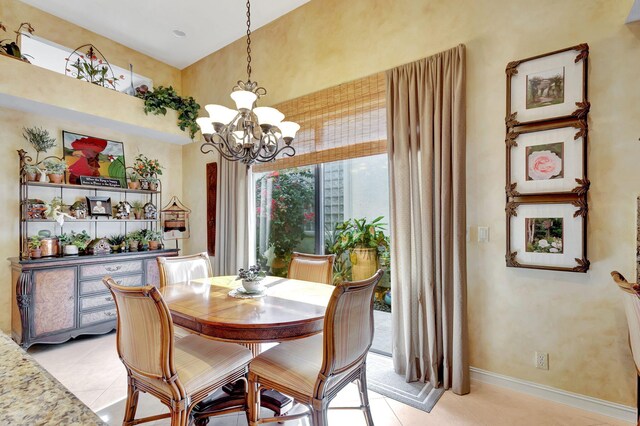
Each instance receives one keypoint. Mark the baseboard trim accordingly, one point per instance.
(587, 403)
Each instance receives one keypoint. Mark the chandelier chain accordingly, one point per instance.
(248, 40)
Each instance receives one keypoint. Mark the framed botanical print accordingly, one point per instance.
(549, 233)
(547, 159)
(547, 87)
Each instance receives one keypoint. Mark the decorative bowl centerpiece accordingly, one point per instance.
(252, 279)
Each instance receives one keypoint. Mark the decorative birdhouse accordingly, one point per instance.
(98, 246)
(150, 211)
(175, 220)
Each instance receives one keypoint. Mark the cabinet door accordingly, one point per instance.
(54, 300)
(153, 273)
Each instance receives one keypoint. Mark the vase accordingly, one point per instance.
(70, 250)
(387, 298)
(55, 178)
(364, 263)
(253, 286)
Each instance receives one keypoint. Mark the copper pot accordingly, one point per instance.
(49, 247)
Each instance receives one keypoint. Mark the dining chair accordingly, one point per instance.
(183, 268)
(312, 267)
(314, 369)
(180, 374)
(632, 311)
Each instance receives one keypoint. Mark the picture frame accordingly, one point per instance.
(99, 206)
(547, 233)
(548, 158)
(93, 157)
(551, 86)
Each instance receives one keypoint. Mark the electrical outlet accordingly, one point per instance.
(483, 234)
(542, 360)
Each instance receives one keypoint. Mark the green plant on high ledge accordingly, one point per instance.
(11, 48)
(289, 209)
(161, 98)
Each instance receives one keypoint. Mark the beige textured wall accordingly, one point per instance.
(14, 12)
(576, 318)
(11, 124)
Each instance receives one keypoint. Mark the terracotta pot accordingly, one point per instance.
(32, 177)
(134, 185)
(137, 214)
(154, 245)
(35, 253)
(55, 178)
(364, 263)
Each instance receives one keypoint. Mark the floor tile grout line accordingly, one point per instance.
(392, 410)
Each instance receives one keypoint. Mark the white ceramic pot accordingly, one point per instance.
(70, 250)
(253, 286)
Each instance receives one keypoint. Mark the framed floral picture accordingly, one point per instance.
(547, 159)
(93, 157)
(547, 87)
(549, 233)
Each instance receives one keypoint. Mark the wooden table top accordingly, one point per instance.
(291, 309)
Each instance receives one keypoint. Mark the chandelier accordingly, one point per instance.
(249, 134)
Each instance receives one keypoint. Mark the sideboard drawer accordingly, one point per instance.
(88, 318)
(100, 270)
(97, 301)
(97, 286)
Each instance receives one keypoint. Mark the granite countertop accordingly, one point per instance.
(29, 395)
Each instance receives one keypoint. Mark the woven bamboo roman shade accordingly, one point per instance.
(338, 123)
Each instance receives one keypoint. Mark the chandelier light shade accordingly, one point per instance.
(249, 133)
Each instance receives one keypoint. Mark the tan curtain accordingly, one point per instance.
(233, 218)
(426, 146)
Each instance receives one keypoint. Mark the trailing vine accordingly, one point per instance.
(161, 98)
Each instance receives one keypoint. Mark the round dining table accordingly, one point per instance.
(289, 309)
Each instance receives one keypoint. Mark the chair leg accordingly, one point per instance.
(131, 405)
(364, 395)
(253, 411)
(319, 417)
(179, 417)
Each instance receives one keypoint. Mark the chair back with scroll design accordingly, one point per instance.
(184, 268)
(312, 267)
(145, 335)
(348, 330)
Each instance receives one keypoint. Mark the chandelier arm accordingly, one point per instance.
(222, 147)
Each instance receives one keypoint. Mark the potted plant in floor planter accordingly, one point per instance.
(252, 279)
(34, 247)
(134, 180)
(137, 206)
(364, 242)
(55, 170)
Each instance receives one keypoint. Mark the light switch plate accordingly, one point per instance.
(483, 234)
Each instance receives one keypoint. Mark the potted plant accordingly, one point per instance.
(149, 170)
(116, 242)
(252, 279)
(155, 237)
(134, 180)
(138, 207)
(153, 183)
(32, 172)
(65, 242)
(364, 242)
(144, 236)
(80, 240)
(55, 170)
(34, 247)
(12, 48)
(133, 240)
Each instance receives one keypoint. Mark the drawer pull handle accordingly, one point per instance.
(113, 268)
(109, 299)
(110, 314)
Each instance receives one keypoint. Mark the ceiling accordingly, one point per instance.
(147, 25)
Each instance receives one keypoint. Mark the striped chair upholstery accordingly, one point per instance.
(184, 268)
(632, 311)
(315, 369)
(311, 267)
(181, 373)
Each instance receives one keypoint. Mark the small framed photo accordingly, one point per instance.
(99, 206)
(548, 234)
(547, 87)
(547, 159)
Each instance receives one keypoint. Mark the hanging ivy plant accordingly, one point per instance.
(161, 98)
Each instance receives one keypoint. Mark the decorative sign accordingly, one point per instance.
(100, 181)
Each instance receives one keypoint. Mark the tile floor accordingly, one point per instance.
(90, 368)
